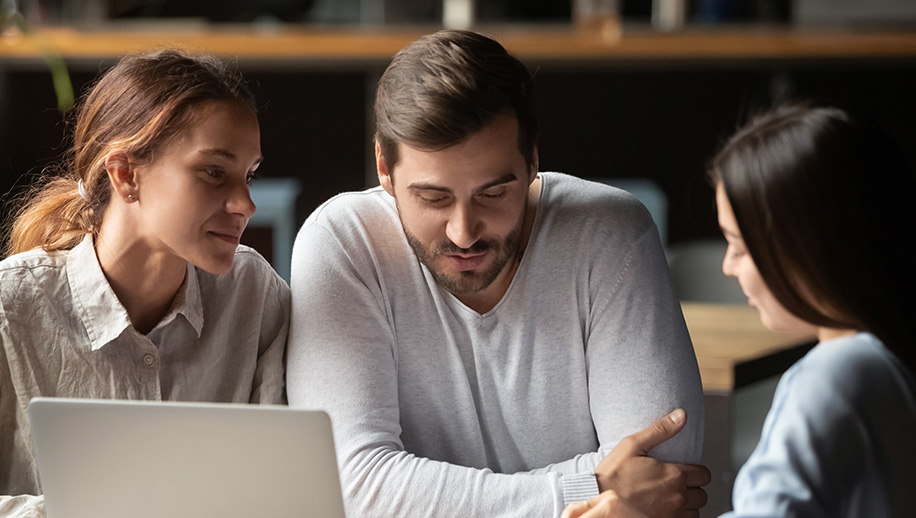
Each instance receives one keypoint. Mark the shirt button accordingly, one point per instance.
(148, 359)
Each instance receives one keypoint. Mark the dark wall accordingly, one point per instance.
(659, 125)
(659, 122)
(312, 127)
(666, 123)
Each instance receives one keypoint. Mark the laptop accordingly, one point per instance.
(117, 459)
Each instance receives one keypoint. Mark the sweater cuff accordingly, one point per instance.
(581, 486)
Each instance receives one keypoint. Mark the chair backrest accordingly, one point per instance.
(696, 270)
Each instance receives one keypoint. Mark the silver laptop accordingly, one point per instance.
(117, 459)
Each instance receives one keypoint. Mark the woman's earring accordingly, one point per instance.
(130, 198)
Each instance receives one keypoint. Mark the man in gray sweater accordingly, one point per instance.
(483, 334)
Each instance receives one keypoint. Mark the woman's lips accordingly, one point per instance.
(227, 237)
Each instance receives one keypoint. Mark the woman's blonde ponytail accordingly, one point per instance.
(54, 217)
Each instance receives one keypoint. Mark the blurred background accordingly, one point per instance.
(654, 116)
(634, 93)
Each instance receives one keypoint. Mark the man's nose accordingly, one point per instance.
(464, 227)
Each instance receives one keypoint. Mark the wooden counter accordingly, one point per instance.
(734, 349)
(372, 45)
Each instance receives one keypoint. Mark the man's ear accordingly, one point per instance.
(122, 176)
(384, 175)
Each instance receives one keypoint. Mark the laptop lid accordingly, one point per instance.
(109, 458)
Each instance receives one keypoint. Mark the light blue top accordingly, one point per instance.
(838, 440)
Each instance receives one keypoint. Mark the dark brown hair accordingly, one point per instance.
(824, 202)
(134, 108)
(446, 86)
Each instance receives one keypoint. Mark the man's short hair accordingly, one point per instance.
(446, 86)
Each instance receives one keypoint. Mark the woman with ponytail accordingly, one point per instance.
(124, 277)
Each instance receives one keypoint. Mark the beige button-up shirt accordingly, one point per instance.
(64, 333)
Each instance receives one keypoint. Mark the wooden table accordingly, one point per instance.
(734, 349)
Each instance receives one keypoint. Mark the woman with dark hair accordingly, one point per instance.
(817, 207)
(125, 278)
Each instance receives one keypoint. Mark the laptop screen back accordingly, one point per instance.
(103, 458)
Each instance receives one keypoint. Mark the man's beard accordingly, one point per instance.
(468, 282)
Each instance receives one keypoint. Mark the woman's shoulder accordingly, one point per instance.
(33, 279)
(35, 267)
(249, 261)
(36, 258)
(845, 356)
(852, 368)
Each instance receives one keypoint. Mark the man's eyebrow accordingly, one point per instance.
(424, 186)
(506, 178)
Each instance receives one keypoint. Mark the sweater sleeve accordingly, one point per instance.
(342, 359)
(641, 362)
(22, 506)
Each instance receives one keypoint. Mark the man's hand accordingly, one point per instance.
(658, 489)
(606, 505)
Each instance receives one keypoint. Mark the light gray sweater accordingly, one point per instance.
(441, 411)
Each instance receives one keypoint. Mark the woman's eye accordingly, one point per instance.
(736, 252)
(252, 177)
(214, 173)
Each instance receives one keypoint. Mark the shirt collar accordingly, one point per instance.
(102, 314)
(99, 309)
(187, 303)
